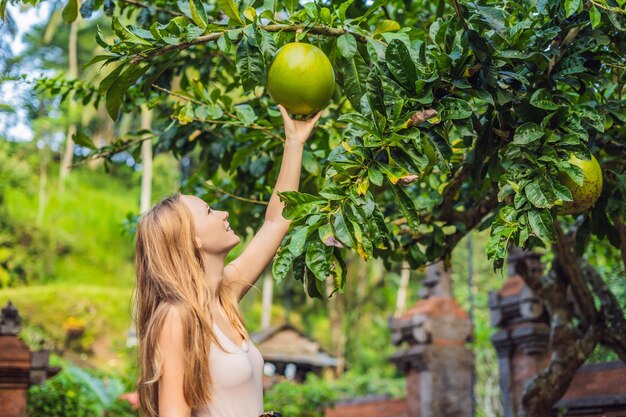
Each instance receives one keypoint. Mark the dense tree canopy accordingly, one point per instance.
(447, 117)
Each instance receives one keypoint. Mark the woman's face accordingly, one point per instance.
(213, 232)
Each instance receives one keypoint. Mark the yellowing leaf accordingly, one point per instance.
(362, 186)
(386, 25)
(250, 13)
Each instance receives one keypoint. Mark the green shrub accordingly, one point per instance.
(76, 392)
(309, 399)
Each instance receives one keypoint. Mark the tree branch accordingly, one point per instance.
(210, 184)
(615, 335)
(569, 352)
(569, 265)
(147, 6)
(316, 30)
(267, 130)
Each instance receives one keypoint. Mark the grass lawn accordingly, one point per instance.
(104, 311)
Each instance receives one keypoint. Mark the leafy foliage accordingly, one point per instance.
(76, 392)
(511, 93)
(313, 397)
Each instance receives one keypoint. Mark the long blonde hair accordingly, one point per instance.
(169, 270)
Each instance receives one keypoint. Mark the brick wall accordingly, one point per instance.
(597, 390)
(369, 407)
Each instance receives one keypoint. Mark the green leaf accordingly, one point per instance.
(282, 264)
(406, 206)
(231, 9)
(361, 121)
(126, 35)
(495, 17)
(571, 7)
(267, 44)
(83, 140)
(100, 39)
(543, 100)
(198, 14)
(380, 231)
(401, 64)
(249, 65)
(185, 114)
(571, 65)
(346, 44)
(298, 211)
(355, 72)
(310, 163)
(539, 192)
(527, 133)
(332, 192)
(98, 58)
(314, 287)
(386, 25)
(295, 197)
(562, 192)
(340, 270)
(591, 116)
(110, 79)
(441, 149)
(416, 257)
(363, 244)
(375, 176)
(249, 13)
(245, 112)
(298, 239)
(70, 11)
(340, 230)
(574, 172)
(594, 17)
(292, 6)
(541, 224)
(224, 43)
(394, 173)
(115, 94)
(375, 94)
(316, 259)
(454, 109)
(341, 10)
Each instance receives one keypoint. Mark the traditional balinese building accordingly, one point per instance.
(290, 354)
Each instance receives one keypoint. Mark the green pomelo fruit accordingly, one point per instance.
(584, 196)
(301, 78)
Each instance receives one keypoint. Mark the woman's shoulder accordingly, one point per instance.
(172, 323)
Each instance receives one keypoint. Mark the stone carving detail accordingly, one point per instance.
(10, 322)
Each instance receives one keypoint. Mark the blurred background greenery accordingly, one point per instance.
(66, 262)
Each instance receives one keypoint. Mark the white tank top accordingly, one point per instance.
(237, 380)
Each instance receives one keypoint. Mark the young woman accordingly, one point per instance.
(195, 355)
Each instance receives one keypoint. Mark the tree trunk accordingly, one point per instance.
(404, 284)
(146, 161)
(335, 313)
(68, 154)
(268, 292)
(575, 328)
(43, 184)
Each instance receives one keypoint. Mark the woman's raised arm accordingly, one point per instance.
(245, 270)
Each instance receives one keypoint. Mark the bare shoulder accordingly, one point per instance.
(171, 396)
(172, 328)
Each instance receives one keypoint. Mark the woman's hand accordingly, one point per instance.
(298, 130)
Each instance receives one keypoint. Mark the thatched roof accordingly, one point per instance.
(287, 344)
